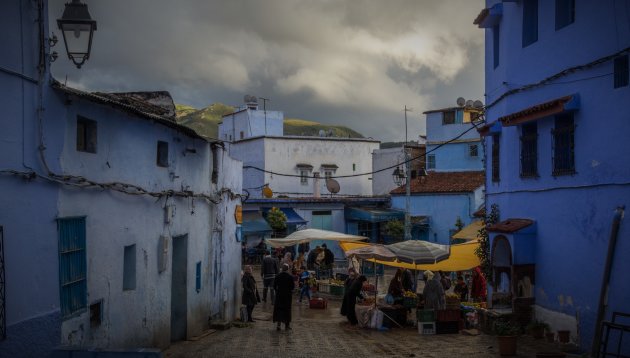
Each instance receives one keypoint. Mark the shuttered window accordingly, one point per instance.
(564, 145)
(72, 265)
(529, 150)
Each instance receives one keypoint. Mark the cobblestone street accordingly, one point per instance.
(325, 333)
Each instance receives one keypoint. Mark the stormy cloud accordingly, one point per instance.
(346, 62)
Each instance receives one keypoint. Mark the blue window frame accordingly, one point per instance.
(530, 22)
(72, 265)
(621, 71)
(198, 276)
(431, 161)
(529, 150)
(565, 13)
(564, 145)
(495, 45)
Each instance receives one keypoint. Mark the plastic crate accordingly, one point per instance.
(318, 303)
(425, 315)
(448, 315)
(409, 302)
(426, 327)
(451, 327)
(323, 287)
(337, 290)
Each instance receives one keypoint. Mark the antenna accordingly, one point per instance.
(461, 101)
(265, 110)
(406, 110)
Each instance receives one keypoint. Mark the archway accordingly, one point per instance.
(501, 272)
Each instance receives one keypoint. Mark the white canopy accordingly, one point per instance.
(306, 235)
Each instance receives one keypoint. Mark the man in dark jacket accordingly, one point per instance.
(268, 271)
(312, 257)
(284, 285)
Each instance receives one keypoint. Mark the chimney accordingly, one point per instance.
(316, 185)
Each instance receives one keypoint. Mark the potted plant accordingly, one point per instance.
(394, 229)
(537, 328)
(507, 333)
(277, 219)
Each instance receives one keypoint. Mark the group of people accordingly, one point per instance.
(436, 284)
(321, 257)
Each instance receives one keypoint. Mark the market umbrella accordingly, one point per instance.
(307, 235)
(373, 252)
(419, 252)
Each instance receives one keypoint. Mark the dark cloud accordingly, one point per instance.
(347, 62)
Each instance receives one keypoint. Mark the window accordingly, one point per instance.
(563, 145)
(129, 268)
(621, 71)
(303, 176)
(530, 22)
(198, 276)
(448, 117)
(96, 313)
(431, 161)
(162, 154)
(496, 147)
(565, 13)
(365, 228)
(354, 167)
(328, 174)
(86, 135)
(473, 150)
(72, 266)
(495, 45)
(242, 135)
(529, 150)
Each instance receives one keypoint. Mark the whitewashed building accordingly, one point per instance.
(117, 225)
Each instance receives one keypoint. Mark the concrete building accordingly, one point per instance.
(557, 157)
(382, 182)
(117, 224)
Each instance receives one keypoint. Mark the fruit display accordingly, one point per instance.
(409, 294)
(472, 304)
(334, 282)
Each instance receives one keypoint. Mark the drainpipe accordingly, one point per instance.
(603, 293)
(316, 185)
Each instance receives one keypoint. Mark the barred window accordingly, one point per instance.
(563, 145)
(448, 117)
(529, 150)
(431, 161)
(495, 157)
(304, 177)
(473, 150)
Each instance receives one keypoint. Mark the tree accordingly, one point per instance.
(395, 229)
(483, 251)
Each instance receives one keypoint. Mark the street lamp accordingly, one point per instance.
(399, 177)
(77, 28)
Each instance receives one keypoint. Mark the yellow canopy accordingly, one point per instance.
(469, 232)
(462, 257)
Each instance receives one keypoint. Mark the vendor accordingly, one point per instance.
(396, 289)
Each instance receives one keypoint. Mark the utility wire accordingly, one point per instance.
(474, 126)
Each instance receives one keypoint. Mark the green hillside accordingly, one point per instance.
(206, 122)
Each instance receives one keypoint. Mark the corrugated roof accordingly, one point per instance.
(537, 111)
(130, 104)
(445, 182)
(510, 225)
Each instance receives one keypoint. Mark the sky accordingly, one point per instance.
(340, 62)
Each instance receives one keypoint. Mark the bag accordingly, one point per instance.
(257, 296)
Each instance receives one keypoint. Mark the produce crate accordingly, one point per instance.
(448, 315)
(451, 327)
(319, 303)
(409, 302)
(337, 290)
(426, 327)
(425, 315)
(323, 287)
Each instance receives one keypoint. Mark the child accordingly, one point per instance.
(305, 284)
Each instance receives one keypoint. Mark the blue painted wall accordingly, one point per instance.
(443, 210)
(455, 157)
(574, 212)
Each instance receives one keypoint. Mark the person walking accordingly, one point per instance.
(284, 285)
(305, 278)
(433, 292)
(350, 300)
(249, 292)
(268, 271)
(478, 289)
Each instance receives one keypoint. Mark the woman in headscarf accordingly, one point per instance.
(287, 260)
(249, 292)
(478, 289)
(350, 300)
(433, 292)
(395, 286)
(284, 285)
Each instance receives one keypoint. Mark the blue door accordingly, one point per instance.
(72, 265)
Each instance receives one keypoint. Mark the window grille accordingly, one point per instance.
(529, 150)
(303, 177)
(563, 145)
(431, 161)
(473, 150)
(198, 276)
(448, 117)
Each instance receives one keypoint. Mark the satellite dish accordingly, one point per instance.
(469, 103)
(461, 101)
(250, 99)
(478, 104)
(333, 186)
(267, 192)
